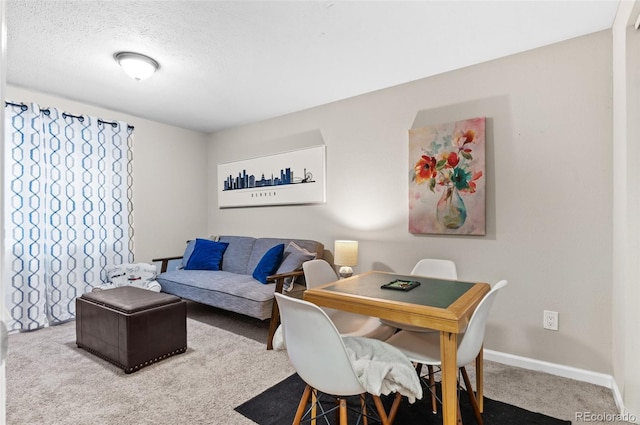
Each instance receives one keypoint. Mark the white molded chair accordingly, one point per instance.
(319, 272)
(441, 269)
(428, 267)
(438, 269)
(424, 347)
(317, 352)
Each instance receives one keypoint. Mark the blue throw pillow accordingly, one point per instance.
(269, 263)
(207, 255)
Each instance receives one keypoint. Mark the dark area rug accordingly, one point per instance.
(278, 404)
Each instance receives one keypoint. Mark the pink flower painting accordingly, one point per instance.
(447, 178)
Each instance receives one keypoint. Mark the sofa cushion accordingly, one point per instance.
(269, 263)
(260, 248)
(237, 285)
(206, 255)
(293, 257)
(236, 257)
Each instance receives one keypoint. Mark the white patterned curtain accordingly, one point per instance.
(68, 209)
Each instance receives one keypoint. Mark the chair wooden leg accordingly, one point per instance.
(480, 379)
(343, 411)
(394, 408)
(363, 409)
(384, 418)
(302, 405)
(314, 406)
(472, 397)
(459, 414)
(432, 387)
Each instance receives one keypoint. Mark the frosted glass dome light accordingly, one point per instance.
(135, 65)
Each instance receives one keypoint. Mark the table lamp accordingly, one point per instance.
(345, 256)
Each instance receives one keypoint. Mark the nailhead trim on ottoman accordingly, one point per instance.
(131, 327)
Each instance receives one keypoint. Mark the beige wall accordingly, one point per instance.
(169, 177)
(549, 197)
(626, 206)
(551, 226)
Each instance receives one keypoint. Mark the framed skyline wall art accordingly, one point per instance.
(447, 178)
(293, 177)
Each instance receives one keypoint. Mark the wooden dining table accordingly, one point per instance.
(443, 305)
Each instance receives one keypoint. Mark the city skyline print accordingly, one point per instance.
(294, 177)
(245, 181)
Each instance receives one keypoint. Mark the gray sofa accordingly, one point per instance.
(233, 288)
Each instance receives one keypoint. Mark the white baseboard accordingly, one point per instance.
(583, 375)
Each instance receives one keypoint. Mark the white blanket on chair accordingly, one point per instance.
(382, 368)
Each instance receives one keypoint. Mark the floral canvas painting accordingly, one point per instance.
(447, 178)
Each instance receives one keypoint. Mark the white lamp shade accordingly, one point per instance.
(135, 65)
(346, 253)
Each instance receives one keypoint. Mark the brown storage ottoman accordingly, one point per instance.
(131, 327)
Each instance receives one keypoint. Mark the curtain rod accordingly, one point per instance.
(65, 115)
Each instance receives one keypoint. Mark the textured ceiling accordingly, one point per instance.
(228, 63)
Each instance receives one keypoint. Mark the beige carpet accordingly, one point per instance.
(220, 371)
(50, 381)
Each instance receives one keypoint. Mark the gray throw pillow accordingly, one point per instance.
(293, 257)
(187, 253)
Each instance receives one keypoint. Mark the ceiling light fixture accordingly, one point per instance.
(137, 66)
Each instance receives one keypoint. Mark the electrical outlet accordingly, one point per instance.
(550, 320)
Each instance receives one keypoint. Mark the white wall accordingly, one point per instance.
(169, 177)
(549, 189)
(626, 206)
